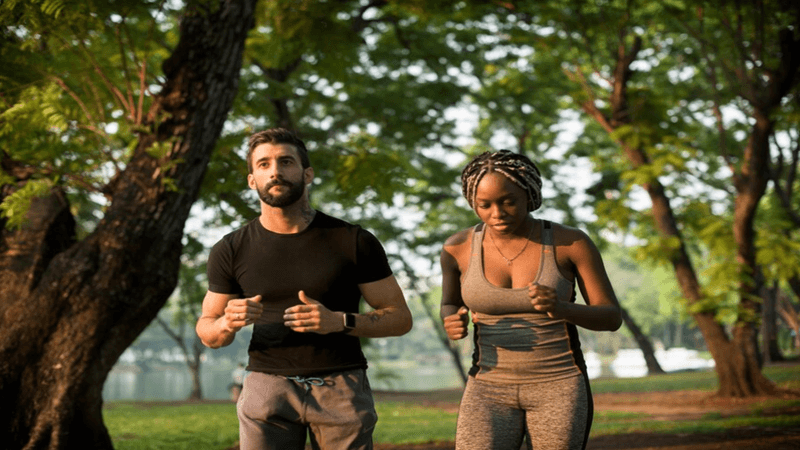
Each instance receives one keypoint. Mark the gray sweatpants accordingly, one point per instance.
(498, 416)
(336, 410)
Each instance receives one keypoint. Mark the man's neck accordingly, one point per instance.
(289, 220)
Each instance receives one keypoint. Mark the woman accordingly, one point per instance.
(516, 274)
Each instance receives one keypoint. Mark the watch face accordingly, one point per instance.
(349, 321)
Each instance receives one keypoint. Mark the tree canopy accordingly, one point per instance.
(116, 116)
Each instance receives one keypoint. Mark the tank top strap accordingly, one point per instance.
(548, 267)
(547, 233)
(475, 253)
(477, 233)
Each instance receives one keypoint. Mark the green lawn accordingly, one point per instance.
(787, 376)
(149, 425)
(201, 426)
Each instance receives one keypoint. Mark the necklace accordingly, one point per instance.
(509, 261)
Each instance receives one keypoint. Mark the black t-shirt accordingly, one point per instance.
(327, 260)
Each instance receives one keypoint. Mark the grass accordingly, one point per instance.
(146, 426)
(213, 425)
(786, 376)
(201, 426)
(409, 423)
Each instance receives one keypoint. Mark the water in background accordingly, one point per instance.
(128, 381)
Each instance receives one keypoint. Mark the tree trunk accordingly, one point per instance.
(750, 182)
(194, 367)
(70, 309)
(678, 339)
(452, 348)
(455, 353)
(653, 367)
(769, 326)
(196, 392)
(193, 357)
(736, 360)
(788, 312)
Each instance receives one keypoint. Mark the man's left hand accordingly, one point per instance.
(311, 316)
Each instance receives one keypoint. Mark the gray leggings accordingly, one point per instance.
(553, 414)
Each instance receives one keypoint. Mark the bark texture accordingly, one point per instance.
(69, 309)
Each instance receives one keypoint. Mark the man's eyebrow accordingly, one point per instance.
(279, 158)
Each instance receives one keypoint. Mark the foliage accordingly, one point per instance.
(16, 205)
(77, 88)
(373, 87)
(686, 108)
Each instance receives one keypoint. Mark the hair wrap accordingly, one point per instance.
(516, 167)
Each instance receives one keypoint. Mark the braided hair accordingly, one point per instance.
(516, 167)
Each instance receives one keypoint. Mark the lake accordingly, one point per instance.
(128, 381)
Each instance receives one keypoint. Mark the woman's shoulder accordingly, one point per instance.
(565, 235)
(460, 238)
(457, 248)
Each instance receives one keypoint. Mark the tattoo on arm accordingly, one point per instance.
(375, 316)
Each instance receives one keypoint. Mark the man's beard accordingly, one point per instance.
(295, 192)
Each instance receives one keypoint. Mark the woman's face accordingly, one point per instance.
(501, 204)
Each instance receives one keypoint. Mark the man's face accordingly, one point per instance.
(278, 175)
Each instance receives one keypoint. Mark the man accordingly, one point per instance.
(298, 275)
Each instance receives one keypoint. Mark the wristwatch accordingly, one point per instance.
(349, 321)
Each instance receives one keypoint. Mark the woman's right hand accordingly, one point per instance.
(455, 325)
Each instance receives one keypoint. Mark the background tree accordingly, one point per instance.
(72, 307)
(185, 308)
(625, 109)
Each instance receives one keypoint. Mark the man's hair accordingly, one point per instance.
(516, 167)
(277, 136)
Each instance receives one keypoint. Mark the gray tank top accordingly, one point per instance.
(514, 343)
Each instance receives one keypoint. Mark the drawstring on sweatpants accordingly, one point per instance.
(308, 381)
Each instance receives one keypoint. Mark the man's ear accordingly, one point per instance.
(308, 175)
(251, 181)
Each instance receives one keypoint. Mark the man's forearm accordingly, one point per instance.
(213, 334)
(383, 323)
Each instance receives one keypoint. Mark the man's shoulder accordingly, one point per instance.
(326, 221)
(236, 236)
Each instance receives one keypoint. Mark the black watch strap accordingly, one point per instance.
(349, 321)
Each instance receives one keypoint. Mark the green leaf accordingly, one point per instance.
(15, 207)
